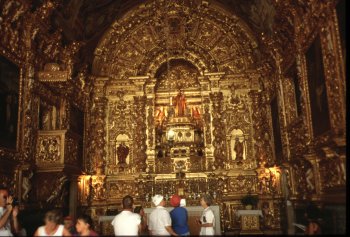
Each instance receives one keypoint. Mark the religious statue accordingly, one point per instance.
(46, 120)
(309, 179)
(26, 185)
(160, 115)
(122, 153)
(268, 215)
(180, 104)
(195, 113)
(99, 191)
(238, 149)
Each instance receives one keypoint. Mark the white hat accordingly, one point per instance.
(157, 199)
(182, 202)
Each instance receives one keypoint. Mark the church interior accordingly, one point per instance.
(244, 100)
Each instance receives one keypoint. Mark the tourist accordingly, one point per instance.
(53, 226)
(84, 226)
(179, 217)
(207, 220)
(139, 210)
(312, 215)
(160, 220)
(127, 222)
(8, 211)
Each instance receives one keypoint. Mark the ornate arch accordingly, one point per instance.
(200, 60)
(207, 35)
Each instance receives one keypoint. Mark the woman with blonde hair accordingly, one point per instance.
(53, 225)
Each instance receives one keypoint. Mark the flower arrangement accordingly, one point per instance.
(249, 200)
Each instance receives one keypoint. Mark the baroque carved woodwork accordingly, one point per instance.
(218, 130)
(56, 148)
(262, 130)
(124, 81)
(140, 133)
(96, 161)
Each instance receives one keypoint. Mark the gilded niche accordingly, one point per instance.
(178, 76)
(178, 119)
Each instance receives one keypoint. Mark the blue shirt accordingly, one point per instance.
(179, 220)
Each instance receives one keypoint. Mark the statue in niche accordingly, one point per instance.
(26, 185)
(46, 120)
(238, 149)
(180, 104)
(49, 118)
(160, 115)
(309, 179)
(122, 153)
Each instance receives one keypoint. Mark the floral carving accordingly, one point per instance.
(49, 149)
(98, 188)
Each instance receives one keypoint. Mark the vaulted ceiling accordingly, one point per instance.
(82, 24)
(88, 19)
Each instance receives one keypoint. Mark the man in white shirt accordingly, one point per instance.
(127, 222)
(160, 220)
(6, 209)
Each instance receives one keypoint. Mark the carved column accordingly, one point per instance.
(140, 136)
(219, 136)
(204, 82)
(219, 141)
(207, 131)
(140, 124)
(96, 139)
(30, 103)
(334, 74)
(263, 151)
(150, 124)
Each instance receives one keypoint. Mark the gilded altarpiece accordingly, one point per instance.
(224, 109)
(170, 120)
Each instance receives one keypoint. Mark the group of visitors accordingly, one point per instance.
(130, 221)
(160, 221)
(53, 226)
(54, 223)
